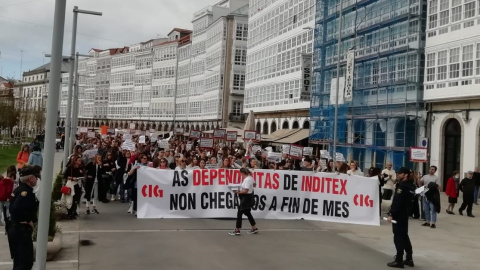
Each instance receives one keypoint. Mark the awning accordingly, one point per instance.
(278, 135)
(299, 135)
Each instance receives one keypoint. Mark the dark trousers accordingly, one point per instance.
(76, 201)
(21, 246)
(134, 198)
(402, 240)
(415, 208)
(102, 191)
(467, 203)
(247, 213)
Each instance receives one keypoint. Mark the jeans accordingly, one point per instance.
(430, 213)
(475, 194)
(5, 214)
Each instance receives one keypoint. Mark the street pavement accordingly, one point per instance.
(117, 240)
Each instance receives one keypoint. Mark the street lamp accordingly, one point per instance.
(337, 88)
(66, 148)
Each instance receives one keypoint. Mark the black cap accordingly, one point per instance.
(30, 171)
(404, 170)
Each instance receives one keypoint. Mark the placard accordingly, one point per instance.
(256, 148)
(128, 145)
(307, 151)
(132, 125)
(325, 154)
(206, 143)
(110, 131)
(153, 137)
(163, 144)
(141, 139)
(250, 135)
(258, 137)
(339, 157)
(219, 133)
(211, 166)
(188, 146)
(195, 134)
(296, 151)
(179, 131)
(232, 136)
(418, 154)
(274, 157)
(127, 136)
(83, 129)
(286, 149)
(91, 134)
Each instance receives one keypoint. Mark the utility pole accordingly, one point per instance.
(50, 134)
(335, 123)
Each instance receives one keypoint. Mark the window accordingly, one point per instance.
(240, 57)
(467, 57)
(454, 66)
(237, 108)
(442, 65)
(457, 14)
(238, 82)
(443, 4)
(242, 31)
(469, 10)
(444, 17)
(432, 21)
(433, 6)
(478, 61)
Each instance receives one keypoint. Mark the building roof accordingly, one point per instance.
(3, 79)
(118, 50)
(180, 41)
(181, 30)
(46, 68)
(7, 85)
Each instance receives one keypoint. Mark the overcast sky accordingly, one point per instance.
(26, 25)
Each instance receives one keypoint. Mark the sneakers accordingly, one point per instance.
(460, 212)
(87, 212)
(433, 226)
(112, 198)
(426, 224)
(95, 211)
(130, 209)
(234, 233)
(253, 231)
(470, 215)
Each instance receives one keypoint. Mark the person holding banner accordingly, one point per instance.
(247, 201)
(94, 171)
(399, 213)
(132, 181)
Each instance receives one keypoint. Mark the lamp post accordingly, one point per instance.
(50, 134)
(69, 114)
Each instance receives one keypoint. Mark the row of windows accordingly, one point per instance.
(165, 53)
(216, 33)
(123, 61)
(33, 78)
(458, 12)
(163, 73)
(453, 63)
(159, 91)
(272, 94)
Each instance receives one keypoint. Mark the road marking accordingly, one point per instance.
(52, 262)
(187, 230)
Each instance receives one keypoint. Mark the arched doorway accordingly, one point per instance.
(273, 128)
(265, 127)
(451, 148)
(306, 124)
(258, 127)
(295, 125)
(285, 125)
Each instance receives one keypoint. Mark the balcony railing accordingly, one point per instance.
(236, 117)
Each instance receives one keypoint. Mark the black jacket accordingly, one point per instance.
(476, 177)
(23, 204)
(467, 186)
(402, 201)
(433, 195)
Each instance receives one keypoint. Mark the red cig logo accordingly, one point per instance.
(152, 191)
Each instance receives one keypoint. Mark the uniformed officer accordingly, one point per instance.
(400, 210)
(23, 213)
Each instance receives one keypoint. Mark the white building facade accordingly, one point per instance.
(452, 79)
(279, 32)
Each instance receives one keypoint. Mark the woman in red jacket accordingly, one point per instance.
(452, 191)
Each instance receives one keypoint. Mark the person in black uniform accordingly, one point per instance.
(467, 186)
(400, 211)
(23, 213)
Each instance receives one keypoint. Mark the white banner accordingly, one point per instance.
(333, 90)
(278, 194)
(349, 75)
(307, 73)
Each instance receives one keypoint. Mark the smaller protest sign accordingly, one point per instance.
(258, 137)
(250, 135)
(188, 146)
(339, 157)
(195, 134)
(274, 157)
(206, 143)
(307, 151)
(163, 144)
(286, 149)
(110, 131)
(179, 131)
(127, 137)
(91, 134)
(153, 137)
(132, 125)
(128, 145)
(325, 154)
(323, 163)
(211, 166)
(82, 129)
(256, 148)
(141, 139)
(296, 151)
(232, 136)
(219, 133)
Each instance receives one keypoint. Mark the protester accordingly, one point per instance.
(247, 201)
(354, 169)
(94, 171)
(389, 176)
(23, 156)
(452, 191)
(74, 173)
(35, 158)
(143, 161)
(6, 188)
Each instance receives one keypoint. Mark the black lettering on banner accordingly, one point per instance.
(335, 208)
(314, 206)
(273, 205)
(294, 182)
(230, 200)
(221, 200)
(306, 206)
(213, 200)
(261, 202)
(286, 182)
(183, 182)
(203, 199)
(185, 178)
(294, 205)
(284, 203)
(183, 201)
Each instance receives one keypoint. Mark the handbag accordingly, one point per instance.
(66, 190)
